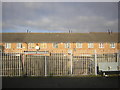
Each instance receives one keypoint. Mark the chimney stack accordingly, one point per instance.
(109, 31)
(27, 31)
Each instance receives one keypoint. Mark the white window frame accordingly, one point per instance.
(79, 45)
(55, 45)
(90, 45)
(112, 45)
(30, 45)
(101, 45)
(7, 45)
(19, 45)
(67, 45)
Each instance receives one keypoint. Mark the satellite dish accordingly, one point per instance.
(37, 47)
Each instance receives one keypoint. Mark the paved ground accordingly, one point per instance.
(61, 82)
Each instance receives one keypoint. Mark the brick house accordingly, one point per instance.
(20, 42)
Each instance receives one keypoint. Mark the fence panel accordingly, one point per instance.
(11, 64)
(34, 65)
(83, 63)
(58, 64)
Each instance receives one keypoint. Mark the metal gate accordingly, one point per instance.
(34, 65)
(58, 64)
(83, 65)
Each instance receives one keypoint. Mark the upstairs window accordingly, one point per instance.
(67, 45)
(90, 45)
(112, 45)
(78, 45)
(55, 45)
(19, 45)
(43, 45)
(31, 45)
(101, 45)
(7, 45)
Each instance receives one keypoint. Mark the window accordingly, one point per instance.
(55, 45)
(43, 45)
(90, 45)
(67, 45)
(78, 45)
(101, 45)
(19, 45)
(31, 45)
(7, 45)
(112, 45)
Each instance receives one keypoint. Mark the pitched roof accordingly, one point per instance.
(60, 37)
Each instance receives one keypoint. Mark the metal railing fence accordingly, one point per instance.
(56, 63)
(11, 64)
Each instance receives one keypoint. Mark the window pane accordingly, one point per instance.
(78, 45)
(101, 45)
(67, 45)
(19, 45)
(31, 45)
(90, 45)
(43, 45)
(112, 45)
(55, 45)
(7, 45)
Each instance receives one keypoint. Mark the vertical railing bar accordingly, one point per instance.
(58, 63)
(7, 66)
(4, 65)
(15, 64)
(59, 57)
(86, 62)
(45, 65)
(81, 53)
(23, 69)
(56, 66)
(19, 64)
(71, 64)
(1, 62)
(11, 62)
(95, 52)
(25, 61)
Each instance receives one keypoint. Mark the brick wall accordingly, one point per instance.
(61, 46)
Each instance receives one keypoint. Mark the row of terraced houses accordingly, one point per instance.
(21, 42)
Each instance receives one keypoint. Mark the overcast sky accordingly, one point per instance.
(59, 16)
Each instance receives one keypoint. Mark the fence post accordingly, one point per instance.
(118, 59)
(95, 62)
(23, 61)
(71, 69)
(45, 65)
(118, 56)
(19, 64)
(1, 63)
